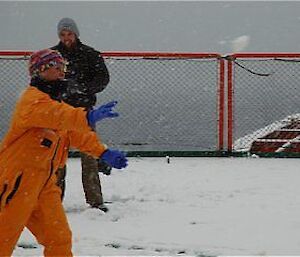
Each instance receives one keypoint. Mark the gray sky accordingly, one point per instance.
(156, 26)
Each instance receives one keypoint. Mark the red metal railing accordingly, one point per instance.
(230, 85)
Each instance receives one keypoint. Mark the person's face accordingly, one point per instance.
(68, 38)
(53, 73)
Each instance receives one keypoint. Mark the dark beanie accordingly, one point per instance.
(67, 24)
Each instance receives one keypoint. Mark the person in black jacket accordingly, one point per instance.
(86, 76)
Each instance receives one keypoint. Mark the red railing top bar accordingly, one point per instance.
(14, 53)
(265, 55)
(132, 54)
(161, 54)
(174, 54)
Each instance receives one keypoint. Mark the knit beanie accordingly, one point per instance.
(67, 24)
(43, 59)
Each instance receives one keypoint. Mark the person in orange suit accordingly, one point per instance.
(42, 130)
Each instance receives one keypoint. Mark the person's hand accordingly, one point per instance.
(104, 167)
(101, 112)
(114, 158)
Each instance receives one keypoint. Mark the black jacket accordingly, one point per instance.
(86, 74)
(52, 88)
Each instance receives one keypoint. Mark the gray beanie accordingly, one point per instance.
(67, 24)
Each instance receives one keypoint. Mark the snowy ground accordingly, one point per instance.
(192, 206)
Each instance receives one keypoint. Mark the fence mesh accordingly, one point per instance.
(165, 104)
(266, 95)
(13, 79)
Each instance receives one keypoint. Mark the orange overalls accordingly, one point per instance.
(41, 132)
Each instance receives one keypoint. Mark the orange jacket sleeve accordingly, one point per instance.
(37, 109)
(87, 142)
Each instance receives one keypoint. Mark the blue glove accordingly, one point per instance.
(104, 168)
(114, 158)
(101, 112)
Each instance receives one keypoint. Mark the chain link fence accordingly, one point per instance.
(14, 79)
(165, 103)
(266, 95)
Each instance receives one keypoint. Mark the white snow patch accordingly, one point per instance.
(244, 143)
(191, 206)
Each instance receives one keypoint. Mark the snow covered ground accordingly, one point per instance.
(192, 206)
